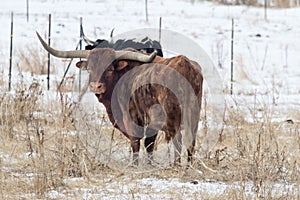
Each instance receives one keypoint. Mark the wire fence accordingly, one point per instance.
(16, 35)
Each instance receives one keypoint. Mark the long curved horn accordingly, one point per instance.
(129, 55)
(64, 54)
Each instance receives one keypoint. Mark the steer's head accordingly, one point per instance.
(103, 65)
(105, 68)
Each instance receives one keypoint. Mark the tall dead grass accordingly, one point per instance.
(40, 143)
(48, 139)
(261, 152)
(31, 60)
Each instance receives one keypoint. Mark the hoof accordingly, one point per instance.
(177, 162)
(152, 163)
(134, 163)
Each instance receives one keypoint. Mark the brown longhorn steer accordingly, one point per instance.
(145, 93)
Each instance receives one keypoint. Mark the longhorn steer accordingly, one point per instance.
(140, 90)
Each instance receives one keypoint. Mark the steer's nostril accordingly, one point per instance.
(96, 86)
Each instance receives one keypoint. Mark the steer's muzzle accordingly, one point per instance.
(97, 87)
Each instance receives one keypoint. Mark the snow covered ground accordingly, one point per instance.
(266, 55)
(152, 188)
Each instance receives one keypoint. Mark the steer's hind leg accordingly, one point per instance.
(149, 143)
(177, 142)
(135, 145)
(191, 152)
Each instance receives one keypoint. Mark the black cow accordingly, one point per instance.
(146, 45)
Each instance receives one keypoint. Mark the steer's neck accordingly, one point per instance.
(107, 105)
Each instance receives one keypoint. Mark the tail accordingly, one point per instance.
(187, 135)
(190, 123)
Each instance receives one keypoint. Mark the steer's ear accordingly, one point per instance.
(121, 65)
(82, 65)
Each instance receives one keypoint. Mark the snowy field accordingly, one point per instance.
(266, 78)
(265, 51)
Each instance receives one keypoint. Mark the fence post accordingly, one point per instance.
(27, 10)
(11, 50)
(62, 80)
(49, 42)
(80, 47)
(146, 8)
(266, 6)
(231, 72)
(159, 36)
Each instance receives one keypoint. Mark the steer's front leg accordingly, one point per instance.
(149, 143)
(135, 145)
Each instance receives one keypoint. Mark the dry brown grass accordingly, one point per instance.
(46, 140)
(44, 143)
(30, 59)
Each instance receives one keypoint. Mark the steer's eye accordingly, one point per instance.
(110, 70)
